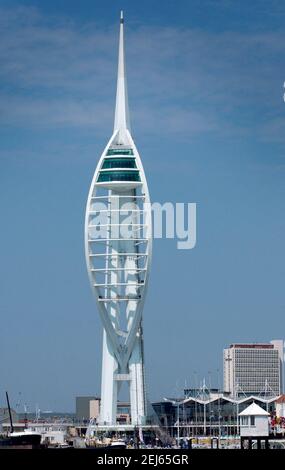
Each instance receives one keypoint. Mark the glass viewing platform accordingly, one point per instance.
(120, 151)
(119, 163)
(122, 175)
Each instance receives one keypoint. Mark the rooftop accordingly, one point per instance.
(254, 410)
(252, 346)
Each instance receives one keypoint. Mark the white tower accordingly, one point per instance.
(118, 242)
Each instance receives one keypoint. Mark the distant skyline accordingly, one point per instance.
(206, 102)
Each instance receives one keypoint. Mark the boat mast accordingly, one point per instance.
(10, 415)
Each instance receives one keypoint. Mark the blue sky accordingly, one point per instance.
(206, 100)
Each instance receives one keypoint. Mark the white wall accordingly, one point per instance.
(260, 428)
(228, 370)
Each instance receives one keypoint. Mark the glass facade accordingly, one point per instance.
(219, 417)
(119, 163)
(118, 176)
(119, 151)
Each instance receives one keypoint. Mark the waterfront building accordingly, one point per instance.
(254, 421)
(118, 242)
(207, 415)
(253, 369)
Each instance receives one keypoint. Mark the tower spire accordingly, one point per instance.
(122, 121)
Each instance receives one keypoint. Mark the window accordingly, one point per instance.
(119, 151)
(252, 420)
(119, 163)
(119, 176)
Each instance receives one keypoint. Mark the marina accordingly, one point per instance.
(180, 433)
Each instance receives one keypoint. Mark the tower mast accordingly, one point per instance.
(122, 116)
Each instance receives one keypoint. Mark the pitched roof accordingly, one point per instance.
(254, 410)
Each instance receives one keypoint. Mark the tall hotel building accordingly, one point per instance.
(253, 369)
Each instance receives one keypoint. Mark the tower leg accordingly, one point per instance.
(137, 388)
(108, 408)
